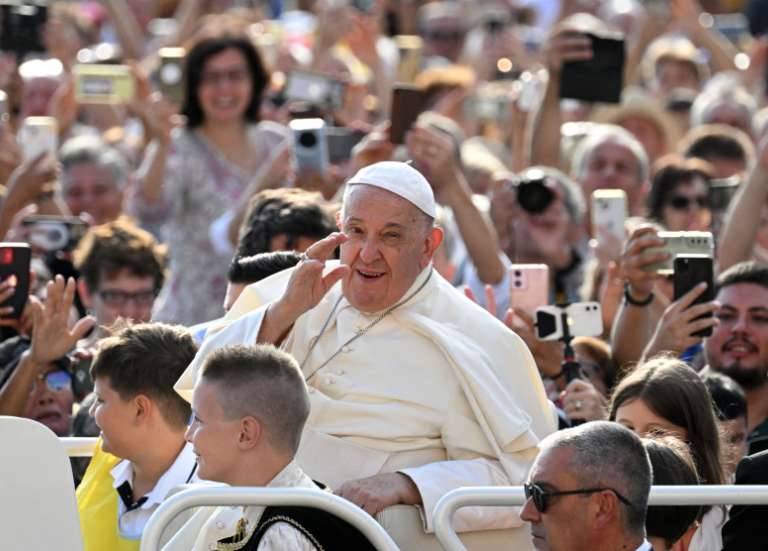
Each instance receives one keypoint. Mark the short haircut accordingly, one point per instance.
(250, 269)
(265, 383)
(291, 212)
(148, 359)
(673, 465)
(608, 455)
(669, 173)
(217, 41)
(718, 141)
(110, 248)
(93, 150)
(748, 271)
(728, 397)
(609, 133)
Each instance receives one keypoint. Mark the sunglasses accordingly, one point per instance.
(55, 380)
(679, 202)
(541, 497)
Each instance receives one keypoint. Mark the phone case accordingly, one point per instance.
(408, 102)
(609, 211)
(310, 148)
(14, 263)
(599, 79)
(107, 84)
(528, 287)
(690, 270)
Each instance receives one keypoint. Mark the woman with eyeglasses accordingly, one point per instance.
(196, 180)
(665, 396)
(679, 196)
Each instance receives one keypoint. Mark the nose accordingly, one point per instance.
(190, 432)
(133, 310)
(529, 512)
(370, 251)
(740, 326)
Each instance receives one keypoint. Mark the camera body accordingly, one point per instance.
(533, 194)
(106, 84)
(678, 243)
(318, 90)
(310, 147)
(583, 319)
(54, 233)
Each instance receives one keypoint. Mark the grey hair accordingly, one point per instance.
(88, 149)
(609, 133)
(609, 455)
(706, 102)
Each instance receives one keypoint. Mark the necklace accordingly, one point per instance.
(357, 334)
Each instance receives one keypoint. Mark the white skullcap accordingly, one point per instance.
(402, 180)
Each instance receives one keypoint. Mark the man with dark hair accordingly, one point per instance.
(588, 490)
(727, 149)
(249, 409)
(245, 270)
(731, 411)
(142, 454)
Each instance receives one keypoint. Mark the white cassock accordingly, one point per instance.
(211, 524)
(438, 389)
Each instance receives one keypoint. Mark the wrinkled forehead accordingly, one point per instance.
(359, 198)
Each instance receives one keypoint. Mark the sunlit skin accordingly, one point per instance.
(52, 408)
(693, 218)
(613, 166)
(114, 416)
(389, 243)
(106, 314)
(92, 190)
(641, 419)
(225, 87)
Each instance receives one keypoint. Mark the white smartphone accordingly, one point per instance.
(310, 147)
(38, 135)
(609, 213)
(584, 319)
(681, 243)
(528, 287)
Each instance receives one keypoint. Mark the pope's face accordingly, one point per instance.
(390, 243)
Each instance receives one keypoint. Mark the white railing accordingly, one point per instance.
(226, 496)
(77, 446)
(514, 496)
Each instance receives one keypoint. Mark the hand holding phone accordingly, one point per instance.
(600, 78)
(14, 278)
(690, 272)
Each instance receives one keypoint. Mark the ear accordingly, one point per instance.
(431, 243)
(604, 509)
(144, 408)
(85, 293)
(251, 432)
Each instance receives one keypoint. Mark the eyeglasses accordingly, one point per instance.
(234, 76)
(55, 380)
(444, 36)
(541, 497)
(679, 202)
(118, 299)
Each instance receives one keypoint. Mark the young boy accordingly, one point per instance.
(249, 409)
(142, 453)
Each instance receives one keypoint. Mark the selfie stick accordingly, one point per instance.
(569, 365)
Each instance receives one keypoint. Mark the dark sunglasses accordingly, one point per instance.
(541, 497)
(679, 202)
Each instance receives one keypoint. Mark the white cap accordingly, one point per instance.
(401, 179)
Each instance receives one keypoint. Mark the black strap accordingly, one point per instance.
(126, 496)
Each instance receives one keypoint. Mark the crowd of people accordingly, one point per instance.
(303, 244)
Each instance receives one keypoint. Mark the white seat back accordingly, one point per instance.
(38, 509)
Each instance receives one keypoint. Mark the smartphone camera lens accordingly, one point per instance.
(308, 139)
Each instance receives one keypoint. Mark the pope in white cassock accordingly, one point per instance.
(414, 389)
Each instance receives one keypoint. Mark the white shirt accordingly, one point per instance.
(645, 546)
(183, 471)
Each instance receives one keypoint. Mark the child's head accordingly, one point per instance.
(731, 411)
(134, 372)
(249, 409)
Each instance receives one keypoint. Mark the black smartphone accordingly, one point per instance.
(14, 265)
(22, 25)
(599, 79)
(408, 102)
(341, 141)
(690, 270)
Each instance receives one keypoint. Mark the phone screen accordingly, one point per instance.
(690, 270)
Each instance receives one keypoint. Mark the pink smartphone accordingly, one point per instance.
(529, 287)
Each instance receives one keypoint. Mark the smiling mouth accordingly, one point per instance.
(370, 275)
(740, 348)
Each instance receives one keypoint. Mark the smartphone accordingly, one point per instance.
(599, 79)
(408, 102)
(410, 48)
(106, 84)
(609, 212)
(341, 141)
(170, 74)
(51, 233)
(528, 287)
(21, 27)
(310, 148)
(38, 135)
(314, 88)
(681, 243)
(580, 319)
(14, 265)
(3, 110)
(690, 270)
(721, 191)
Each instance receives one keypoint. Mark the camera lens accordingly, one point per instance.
(518, 283)
(518, 273)
(307, 139)
(534, 196)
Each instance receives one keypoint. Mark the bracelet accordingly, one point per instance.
(632, 301)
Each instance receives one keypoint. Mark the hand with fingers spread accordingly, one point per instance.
(675, 331)
(376, 493)
(52, 337)
(306, 288)
(582, 401)
(636, 257)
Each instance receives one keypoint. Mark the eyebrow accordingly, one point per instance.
(752, 309)
(386, 226)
